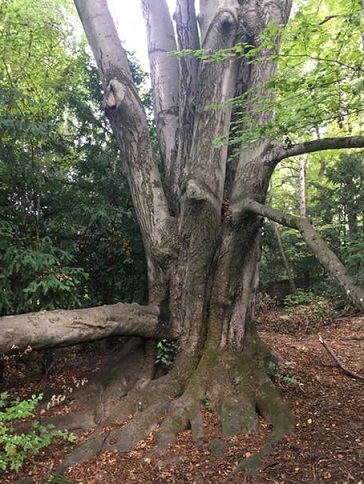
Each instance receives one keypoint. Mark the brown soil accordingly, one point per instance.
(327, 445)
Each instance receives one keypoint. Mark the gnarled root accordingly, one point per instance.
(228, 383)
(148, 402)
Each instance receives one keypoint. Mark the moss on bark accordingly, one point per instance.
(233, 384)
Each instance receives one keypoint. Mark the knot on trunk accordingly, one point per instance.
(114, 94)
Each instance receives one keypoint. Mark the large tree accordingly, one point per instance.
(200, 220)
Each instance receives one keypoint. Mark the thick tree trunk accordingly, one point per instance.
(202, 267)
(202, 264)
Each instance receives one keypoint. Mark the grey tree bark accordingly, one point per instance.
(285, 260)
(50, 329)
(302, 185)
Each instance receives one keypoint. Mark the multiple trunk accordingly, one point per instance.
(202, 260)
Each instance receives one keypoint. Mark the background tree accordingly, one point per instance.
(200, 217)
(324, 70)
(67, 220)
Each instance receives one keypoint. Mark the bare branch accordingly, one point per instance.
(280, 152)
(47, 329)
(165, 77)
(327, 18)
(102, 37)
(326, 257)
(338, 362)
(128, 121)
(285, 259)
(186, 25)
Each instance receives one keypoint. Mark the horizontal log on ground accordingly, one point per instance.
(48, 329)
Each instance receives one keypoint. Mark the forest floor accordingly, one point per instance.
(327, 445)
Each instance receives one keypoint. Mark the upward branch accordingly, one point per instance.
(165, 76)
(128, 121)
(207, 163)
(187, 36)
(253, 78)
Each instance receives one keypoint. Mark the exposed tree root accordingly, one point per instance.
(148, 404)
(224, 381)
(271, 406)
(115, 379)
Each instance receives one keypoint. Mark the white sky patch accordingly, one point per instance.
(129, 22)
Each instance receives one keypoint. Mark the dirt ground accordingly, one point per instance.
(326, 446)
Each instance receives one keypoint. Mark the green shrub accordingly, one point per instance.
(298, 298)
(309, 312)
(166, 352)
(15, 447)
(281, 373)
(206, 402)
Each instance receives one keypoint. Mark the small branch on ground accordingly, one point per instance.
(352, 374)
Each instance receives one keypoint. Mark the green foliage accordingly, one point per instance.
(312, 308)
(16, 448)
(335, 203)
(339, 202)
(280, 372)
(320, 76)
(206, 402)
(354, 258)
(58, 480)
(68, 234)
(318, 92)
(38, 277)
(320, 69)
(299, 298)
(166, 353)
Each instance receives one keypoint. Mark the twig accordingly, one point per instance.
(326, 19)
(353, 338)
(338, 362)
